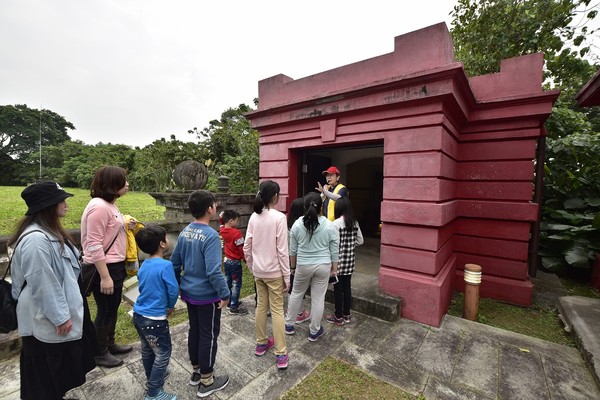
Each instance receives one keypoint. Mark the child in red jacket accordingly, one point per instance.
(233, 241)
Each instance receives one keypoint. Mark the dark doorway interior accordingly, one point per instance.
(312, 171)
(361, 169)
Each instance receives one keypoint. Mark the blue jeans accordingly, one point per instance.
(233, 274)
(156, 350)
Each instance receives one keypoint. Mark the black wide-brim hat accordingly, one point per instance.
(43, 195)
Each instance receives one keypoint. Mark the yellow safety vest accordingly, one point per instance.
(331, 203)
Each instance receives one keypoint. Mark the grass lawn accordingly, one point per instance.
(139, 204)
(335, 379)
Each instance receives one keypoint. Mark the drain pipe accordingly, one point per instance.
(472, 282)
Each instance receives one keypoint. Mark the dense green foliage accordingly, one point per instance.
(229, 146)
(487, 31)
(233, 149)
(154, 164)
(20, 131)
(571, 222)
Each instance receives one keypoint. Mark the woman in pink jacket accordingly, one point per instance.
(104, 241)
(266, 251)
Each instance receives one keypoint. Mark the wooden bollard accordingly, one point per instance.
(472, 282)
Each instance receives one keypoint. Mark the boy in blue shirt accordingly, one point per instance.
(158, 295)
(197, 263)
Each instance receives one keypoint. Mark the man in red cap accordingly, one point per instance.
(332, 191)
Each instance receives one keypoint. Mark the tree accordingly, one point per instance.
(154, 164)
(54, 157)
(232, 146)
(80, 168)
(485, 32)
(20, 128)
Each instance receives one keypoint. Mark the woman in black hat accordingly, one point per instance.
(50, 309)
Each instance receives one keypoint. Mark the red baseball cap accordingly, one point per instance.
(331, 170)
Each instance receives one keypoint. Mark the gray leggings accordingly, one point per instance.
(317, 277)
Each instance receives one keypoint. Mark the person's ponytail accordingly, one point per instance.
(266, 191)
(258, 204)
(312, 209)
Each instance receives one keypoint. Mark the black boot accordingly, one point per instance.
(119, 349)
(114, 348)
(107, 360)
(103, 358)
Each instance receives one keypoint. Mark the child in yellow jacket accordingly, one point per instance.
(132, 263)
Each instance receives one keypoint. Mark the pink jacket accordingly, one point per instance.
(266, 245)
(101, 222)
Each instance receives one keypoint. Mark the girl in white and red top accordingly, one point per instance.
(104, 242)
(266, 251)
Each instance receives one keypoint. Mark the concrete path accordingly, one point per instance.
(460, 360)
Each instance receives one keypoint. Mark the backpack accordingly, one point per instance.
(8, 305)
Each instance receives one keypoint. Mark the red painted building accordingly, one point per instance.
(444, 162)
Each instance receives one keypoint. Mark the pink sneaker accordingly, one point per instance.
(303, 316)
(261, 349)
(282, 361)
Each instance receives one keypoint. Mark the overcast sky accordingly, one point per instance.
(133, 71)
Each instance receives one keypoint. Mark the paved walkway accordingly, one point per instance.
(460, 360)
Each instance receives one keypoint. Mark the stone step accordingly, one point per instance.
(581, 316)
(367, 299)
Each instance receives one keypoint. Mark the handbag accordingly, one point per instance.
(89, 273)
(8, 305)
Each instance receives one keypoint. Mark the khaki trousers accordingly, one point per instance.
(270, 296)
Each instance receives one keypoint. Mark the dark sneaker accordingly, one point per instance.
(314, 337)
(347, 318)
(303, 316)
(289, 329)
(332, 319)
(282, 361)
(238, 311)
(195, 379)
(261, 349)
(219, 383)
